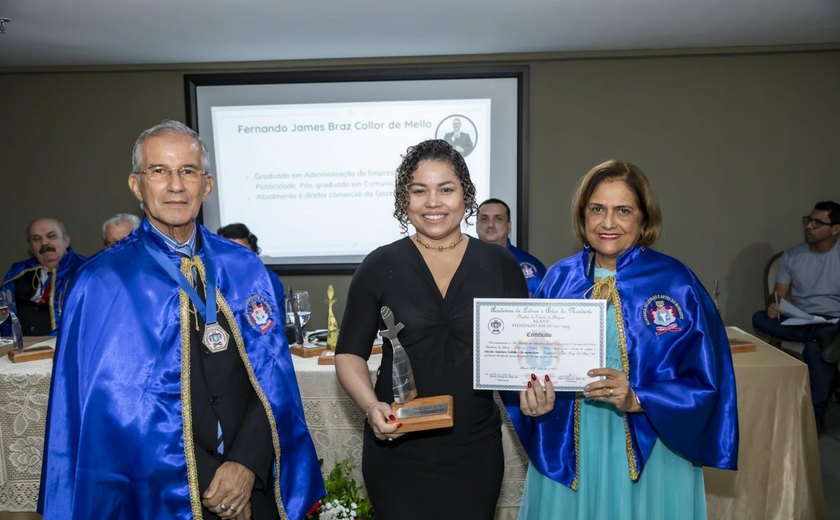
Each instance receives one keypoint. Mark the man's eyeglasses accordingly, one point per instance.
(161, 173)
(817, 223)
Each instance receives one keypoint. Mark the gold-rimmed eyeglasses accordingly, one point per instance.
(162, 173)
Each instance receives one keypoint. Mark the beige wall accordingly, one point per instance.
(737, 146)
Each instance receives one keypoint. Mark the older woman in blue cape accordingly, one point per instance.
(633, 444)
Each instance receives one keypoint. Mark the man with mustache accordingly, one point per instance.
(38, 283)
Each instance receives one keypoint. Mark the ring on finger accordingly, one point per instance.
(609, 392)
(223, 507)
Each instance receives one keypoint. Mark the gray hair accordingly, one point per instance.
(59, 223)
(168, 126)
(118, 219)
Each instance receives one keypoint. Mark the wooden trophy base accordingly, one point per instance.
(19, 356)
(327, 357)
(738, 346)
(306, 352)
(439, 413)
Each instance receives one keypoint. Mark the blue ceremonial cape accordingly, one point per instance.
(59, 280)
(117, 443)
(532, 269)
(678, 363)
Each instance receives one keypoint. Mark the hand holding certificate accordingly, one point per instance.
(515, 338)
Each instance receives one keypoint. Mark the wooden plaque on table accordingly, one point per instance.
(327, 357)
(442, 419)
(306, 352)
(738, 346)
(19, 356)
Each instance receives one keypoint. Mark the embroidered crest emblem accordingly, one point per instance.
(215, 338)
(664, 312)
(259, 311)
(528, 270)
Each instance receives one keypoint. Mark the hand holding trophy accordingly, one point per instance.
(425, 413)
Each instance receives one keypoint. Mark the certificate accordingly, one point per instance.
(516, 337)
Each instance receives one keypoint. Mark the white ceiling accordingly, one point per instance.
(112, 32)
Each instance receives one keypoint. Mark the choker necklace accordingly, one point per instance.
(439, 248)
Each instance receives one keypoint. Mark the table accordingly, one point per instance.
(778, 467)
(778, 461)
(24, 388)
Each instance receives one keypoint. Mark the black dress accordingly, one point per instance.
(445, 473)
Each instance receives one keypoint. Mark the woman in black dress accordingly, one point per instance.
(429, 281)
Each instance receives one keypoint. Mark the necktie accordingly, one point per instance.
(42, 286)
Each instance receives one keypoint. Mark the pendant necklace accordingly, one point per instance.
(439, 248)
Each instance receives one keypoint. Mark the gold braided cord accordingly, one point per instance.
(607, 289)
(240, 347)
(186, 395)
(54, 273)
(578, 397)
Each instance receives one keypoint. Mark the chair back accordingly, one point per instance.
(769, 279)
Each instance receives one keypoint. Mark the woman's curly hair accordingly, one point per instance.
(431, 150)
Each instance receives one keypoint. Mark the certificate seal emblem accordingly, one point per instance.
(258, 312)
(495, 326)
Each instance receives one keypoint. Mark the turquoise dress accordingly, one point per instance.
(669, 486)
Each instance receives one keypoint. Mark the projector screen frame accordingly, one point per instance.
(520, 73)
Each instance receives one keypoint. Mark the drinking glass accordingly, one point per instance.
(304, 309)
(299, 300)
(5, 310)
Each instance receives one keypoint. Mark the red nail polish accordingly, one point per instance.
(392, 417)
(546, 378)
(398, 425)
(533, 377)
(529, 384)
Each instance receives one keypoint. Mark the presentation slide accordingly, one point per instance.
(327, 169)
(308, 160)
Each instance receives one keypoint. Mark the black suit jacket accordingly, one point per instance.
(220, 392)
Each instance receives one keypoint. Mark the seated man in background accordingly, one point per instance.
(37, 284)
(809, 278)
(494, 227)
(118, 227)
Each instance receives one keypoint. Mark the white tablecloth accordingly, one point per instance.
(778, 476)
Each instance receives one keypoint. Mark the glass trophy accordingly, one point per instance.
(415, 414)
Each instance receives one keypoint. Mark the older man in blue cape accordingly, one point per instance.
(679, 367)
(173, 392)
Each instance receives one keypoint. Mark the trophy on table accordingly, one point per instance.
(332, 323)
(425, 413)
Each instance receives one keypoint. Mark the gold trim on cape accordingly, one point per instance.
(240, 346)
(608, 285)
(186, 395)
(53, 277)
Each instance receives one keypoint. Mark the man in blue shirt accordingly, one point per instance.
(494, 228)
